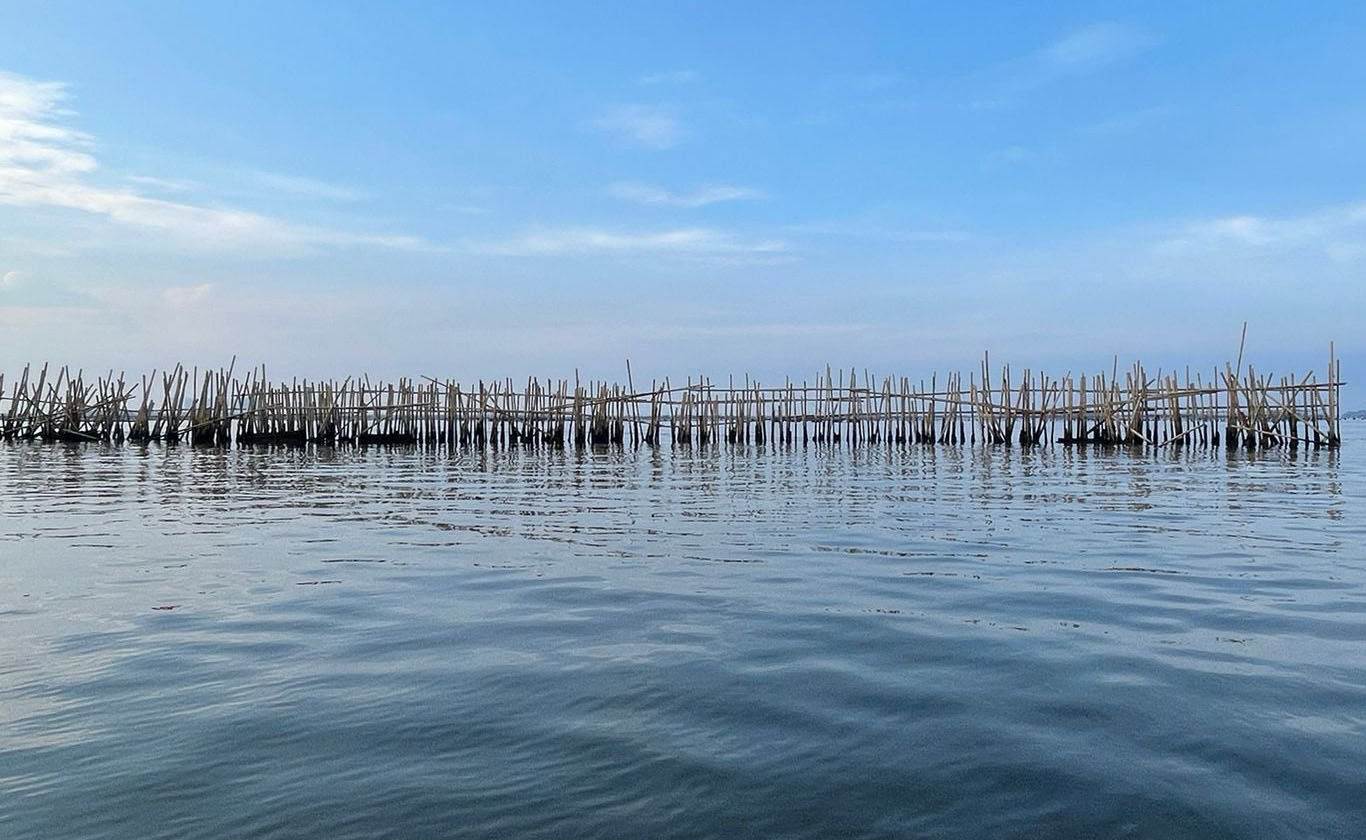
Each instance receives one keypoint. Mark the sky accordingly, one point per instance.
(518, 189)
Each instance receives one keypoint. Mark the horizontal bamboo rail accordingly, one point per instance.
(1236, 407)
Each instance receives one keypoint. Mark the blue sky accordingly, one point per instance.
(525, 189)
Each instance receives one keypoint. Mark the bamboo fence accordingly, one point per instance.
(1236, 407)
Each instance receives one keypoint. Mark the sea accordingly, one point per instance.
(772, 642)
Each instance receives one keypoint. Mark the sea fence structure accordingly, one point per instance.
(1236, 407)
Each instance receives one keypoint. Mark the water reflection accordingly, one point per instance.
(616, 642)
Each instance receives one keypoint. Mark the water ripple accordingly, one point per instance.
(936, 642)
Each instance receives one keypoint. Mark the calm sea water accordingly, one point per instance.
(928, 642)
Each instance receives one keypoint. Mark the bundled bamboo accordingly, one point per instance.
(1238, 407)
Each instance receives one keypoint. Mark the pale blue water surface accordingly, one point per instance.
(906, 642)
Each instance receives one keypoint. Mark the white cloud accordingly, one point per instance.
(700, 197)
(647, 125)
(680, 241)
(672, 77)
(1338, 232)
(184, 297)
(46, 163)
(30, 138)
(10, 280)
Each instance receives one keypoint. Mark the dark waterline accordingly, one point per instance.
(922, 642)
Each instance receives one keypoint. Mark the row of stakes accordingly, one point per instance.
(1234, 407)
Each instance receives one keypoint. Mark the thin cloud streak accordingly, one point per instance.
(652, 126)
(701, 197)
(1094, 46)
(306, 187)
(170, 185)
(673, 77)
(870, 82)
(864, 229)
(1126, 122)
(1081, 51)
(673, 332)
(680, 241)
